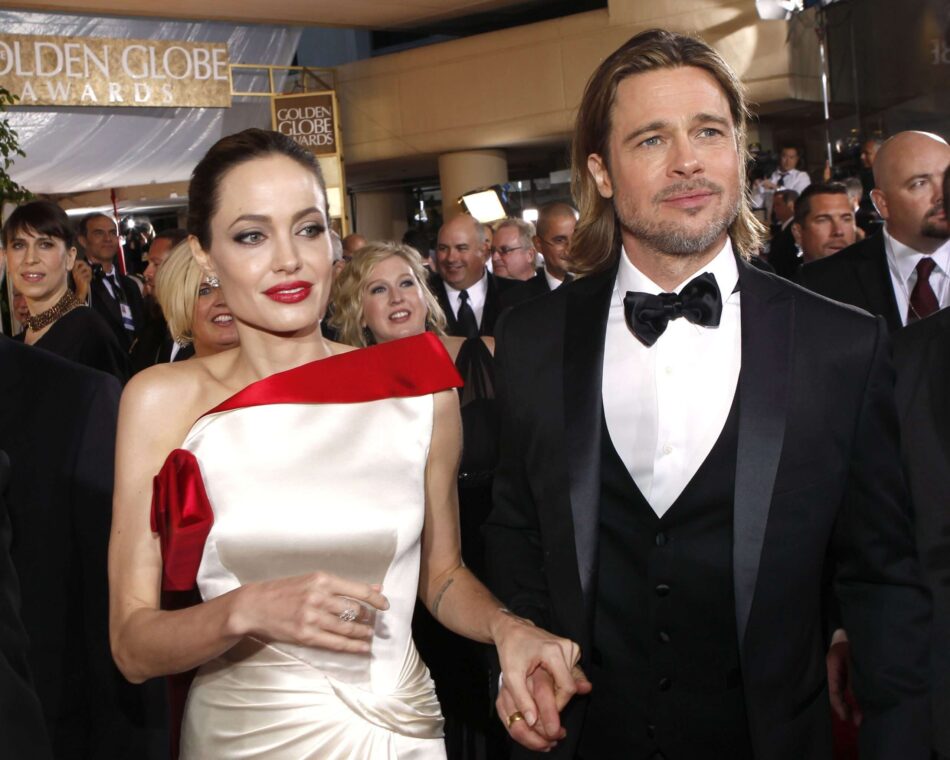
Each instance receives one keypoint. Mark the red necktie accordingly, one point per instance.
(923, 301)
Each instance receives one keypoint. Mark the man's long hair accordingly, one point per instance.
(596, 242)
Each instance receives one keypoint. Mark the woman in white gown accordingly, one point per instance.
(307, 491)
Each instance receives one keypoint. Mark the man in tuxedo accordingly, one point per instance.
(554, 230)
(784, 256)
(57, 426)
(115, 296)
(786, 177)
(672, 492)
(903, 272)
(21, 718)
(465, 289)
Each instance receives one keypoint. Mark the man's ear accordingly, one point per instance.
(880, 202)
(598, 170)
(200, 255)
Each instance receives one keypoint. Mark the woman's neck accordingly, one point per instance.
(263, 354)
(37, 307)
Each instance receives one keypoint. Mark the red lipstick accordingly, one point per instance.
(289, 292)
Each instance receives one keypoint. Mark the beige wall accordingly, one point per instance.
(523, 85)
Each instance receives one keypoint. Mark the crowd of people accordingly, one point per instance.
(637, 480)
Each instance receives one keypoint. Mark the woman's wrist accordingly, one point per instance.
(236, 620)
(502, 621)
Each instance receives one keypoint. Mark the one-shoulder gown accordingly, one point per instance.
(321, 468)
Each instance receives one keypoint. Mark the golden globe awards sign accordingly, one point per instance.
(310, 119)
(99, 71)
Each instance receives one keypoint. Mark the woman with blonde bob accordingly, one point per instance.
(382, 296)
(193, 305)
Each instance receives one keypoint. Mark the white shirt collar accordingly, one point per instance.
(553, 282)
(477, 291)
(722, 266)
(902, 259)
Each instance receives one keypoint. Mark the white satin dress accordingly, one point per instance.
(301, 487)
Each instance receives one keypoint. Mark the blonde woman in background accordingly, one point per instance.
(193, 305)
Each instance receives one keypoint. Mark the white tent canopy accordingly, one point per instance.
(75, 150)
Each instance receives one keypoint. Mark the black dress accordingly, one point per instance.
(458, 665)
(83, 336)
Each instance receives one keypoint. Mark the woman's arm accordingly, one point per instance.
(458, 600)
(147, 641)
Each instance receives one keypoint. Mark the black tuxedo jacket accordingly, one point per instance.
(496, 285)
(783, 254)
(21, 717)
(101, 300)
(526, 290)
(922, 358)
(817, 481)
(857, 275)
(57, 425)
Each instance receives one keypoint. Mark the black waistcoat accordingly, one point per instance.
(666, 656)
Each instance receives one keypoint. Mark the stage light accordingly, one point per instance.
(486, 205)
(530, 215)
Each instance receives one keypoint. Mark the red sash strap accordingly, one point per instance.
(415, 366)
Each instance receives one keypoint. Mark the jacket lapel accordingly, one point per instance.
(588, 301)
(875, 279)
(938, 370)
(767, 314)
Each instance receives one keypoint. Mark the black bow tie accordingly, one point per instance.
(648, 315)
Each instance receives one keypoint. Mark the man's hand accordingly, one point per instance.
(547, 730)
(838, 662)
(82, 276)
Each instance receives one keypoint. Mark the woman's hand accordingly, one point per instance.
(316, 610)
(540, 676)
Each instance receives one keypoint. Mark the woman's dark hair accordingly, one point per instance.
(40, 218)
(227, 153)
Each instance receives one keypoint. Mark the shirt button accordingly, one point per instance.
(667, 449)
(664, 684)
(661, 539)
(662, 589)
(664, 637)
(668, 370)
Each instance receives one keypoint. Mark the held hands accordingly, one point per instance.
(541, 675)
(316, 610)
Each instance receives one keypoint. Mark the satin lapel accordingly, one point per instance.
(490, 311)
(588, 301)
(767, 314)
(875, 280)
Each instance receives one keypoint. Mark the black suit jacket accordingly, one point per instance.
(783, 254)
(526, 290)
(817, 481)
(101, 300)
(57, 425)
(922, 358)
(496, 285)
(21, 717)
(857, 275)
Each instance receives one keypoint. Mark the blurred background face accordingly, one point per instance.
(156, 255)
(828, 228)
(789, 159)
(510, 256)
(392, 301)
(868, 153)
(460, 255)
(20, 310)
(783, 211)
(38, 265)
(213, 328)
(101, 241)
(554, 242)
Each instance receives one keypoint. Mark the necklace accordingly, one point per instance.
(63, 306)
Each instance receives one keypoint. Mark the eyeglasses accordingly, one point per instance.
(558, 242)
(504, 250)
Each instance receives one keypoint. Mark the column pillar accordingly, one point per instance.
(381, 215)
(468, 170)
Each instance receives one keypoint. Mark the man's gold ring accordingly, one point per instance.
(514, 718)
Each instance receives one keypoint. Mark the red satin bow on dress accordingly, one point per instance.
(182, 517)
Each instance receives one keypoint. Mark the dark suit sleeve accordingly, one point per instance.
(884, 605)
(22, 730)
(514, 556)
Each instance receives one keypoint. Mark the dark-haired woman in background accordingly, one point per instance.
(39, 243)
(382, 296)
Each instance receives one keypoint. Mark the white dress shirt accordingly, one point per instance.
(667, 404)
(794, 179)
(902, 264)
(553, 282)
(476, 297)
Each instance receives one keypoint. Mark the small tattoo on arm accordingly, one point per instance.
(438, 597)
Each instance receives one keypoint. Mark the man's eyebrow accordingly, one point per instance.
(653, 126)
(714, 118)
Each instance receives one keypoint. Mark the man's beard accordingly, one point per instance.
(931, 228)
(675, 239)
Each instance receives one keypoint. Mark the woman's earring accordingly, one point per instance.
(213, 281)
